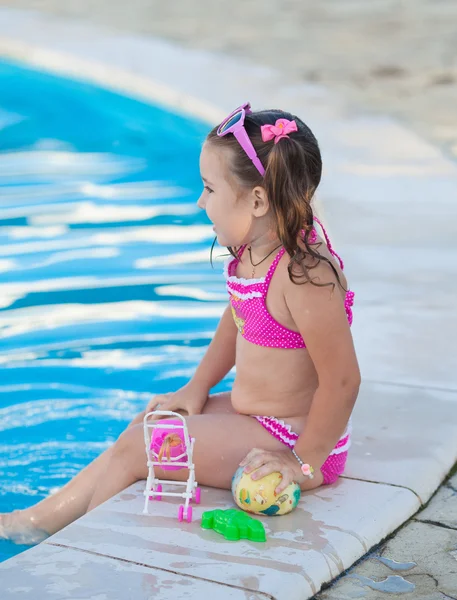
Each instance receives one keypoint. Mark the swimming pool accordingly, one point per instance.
(106, 291)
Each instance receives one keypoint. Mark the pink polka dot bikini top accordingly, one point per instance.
(249, 307)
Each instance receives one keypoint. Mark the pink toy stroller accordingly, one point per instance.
(168, 446)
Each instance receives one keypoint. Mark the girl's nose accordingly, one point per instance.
(201, 202)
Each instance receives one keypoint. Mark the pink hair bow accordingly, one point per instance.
(279, 130)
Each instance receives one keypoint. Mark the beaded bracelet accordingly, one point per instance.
(306, 469)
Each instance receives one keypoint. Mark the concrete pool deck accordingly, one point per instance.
(385, 192)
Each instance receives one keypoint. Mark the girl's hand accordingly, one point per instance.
(191, 398)
(282, 461)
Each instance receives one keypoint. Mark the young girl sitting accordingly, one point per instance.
(286, 328)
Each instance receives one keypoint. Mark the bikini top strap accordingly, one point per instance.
(235, 260)
(312, 235)
(273, 266)
(242, 249)
(329, 244)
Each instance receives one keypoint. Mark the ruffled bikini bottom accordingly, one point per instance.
(334, 465)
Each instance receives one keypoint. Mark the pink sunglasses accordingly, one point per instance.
(234, 123)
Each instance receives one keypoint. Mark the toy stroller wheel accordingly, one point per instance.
(198, 494)
(189, 514)
(156, 497)
(181, 513)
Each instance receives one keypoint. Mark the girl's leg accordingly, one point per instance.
(217, 454)
(34, 524)
(72, 501)
(217, 404)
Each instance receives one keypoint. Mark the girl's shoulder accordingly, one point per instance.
(319, 270)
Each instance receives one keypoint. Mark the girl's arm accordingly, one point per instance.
(220, 356)
(320, 316)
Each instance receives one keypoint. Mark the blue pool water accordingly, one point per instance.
(106, 291)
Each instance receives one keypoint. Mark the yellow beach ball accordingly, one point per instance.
(259, 496)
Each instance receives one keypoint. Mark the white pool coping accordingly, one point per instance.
(387, 195)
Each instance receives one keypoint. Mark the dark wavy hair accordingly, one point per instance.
(293, 169)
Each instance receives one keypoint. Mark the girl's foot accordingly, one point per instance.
(20, 529)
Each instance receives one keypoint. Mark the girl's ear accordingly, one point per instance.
(259, 201)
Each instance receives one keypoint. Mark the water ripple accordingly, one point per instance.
(107, 295)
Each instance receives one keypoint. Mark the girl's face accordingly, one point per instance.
(227, 208)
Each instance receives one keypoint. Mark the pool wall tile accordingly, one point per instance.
(384, 448)
(48, 572)
(330, 529)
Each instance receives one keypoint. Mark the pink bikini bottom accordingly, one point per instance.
(333, 467)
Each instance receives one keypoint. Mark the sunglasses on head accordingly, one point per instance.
(234, 124)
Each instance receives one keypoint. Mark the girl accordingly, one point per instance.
(286, 328)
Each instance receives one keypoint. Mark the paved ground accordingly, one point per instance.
(395, 58)
(391, 56)
(420, 560)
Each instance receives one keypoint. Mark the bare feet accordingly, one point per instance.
(20, 529)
